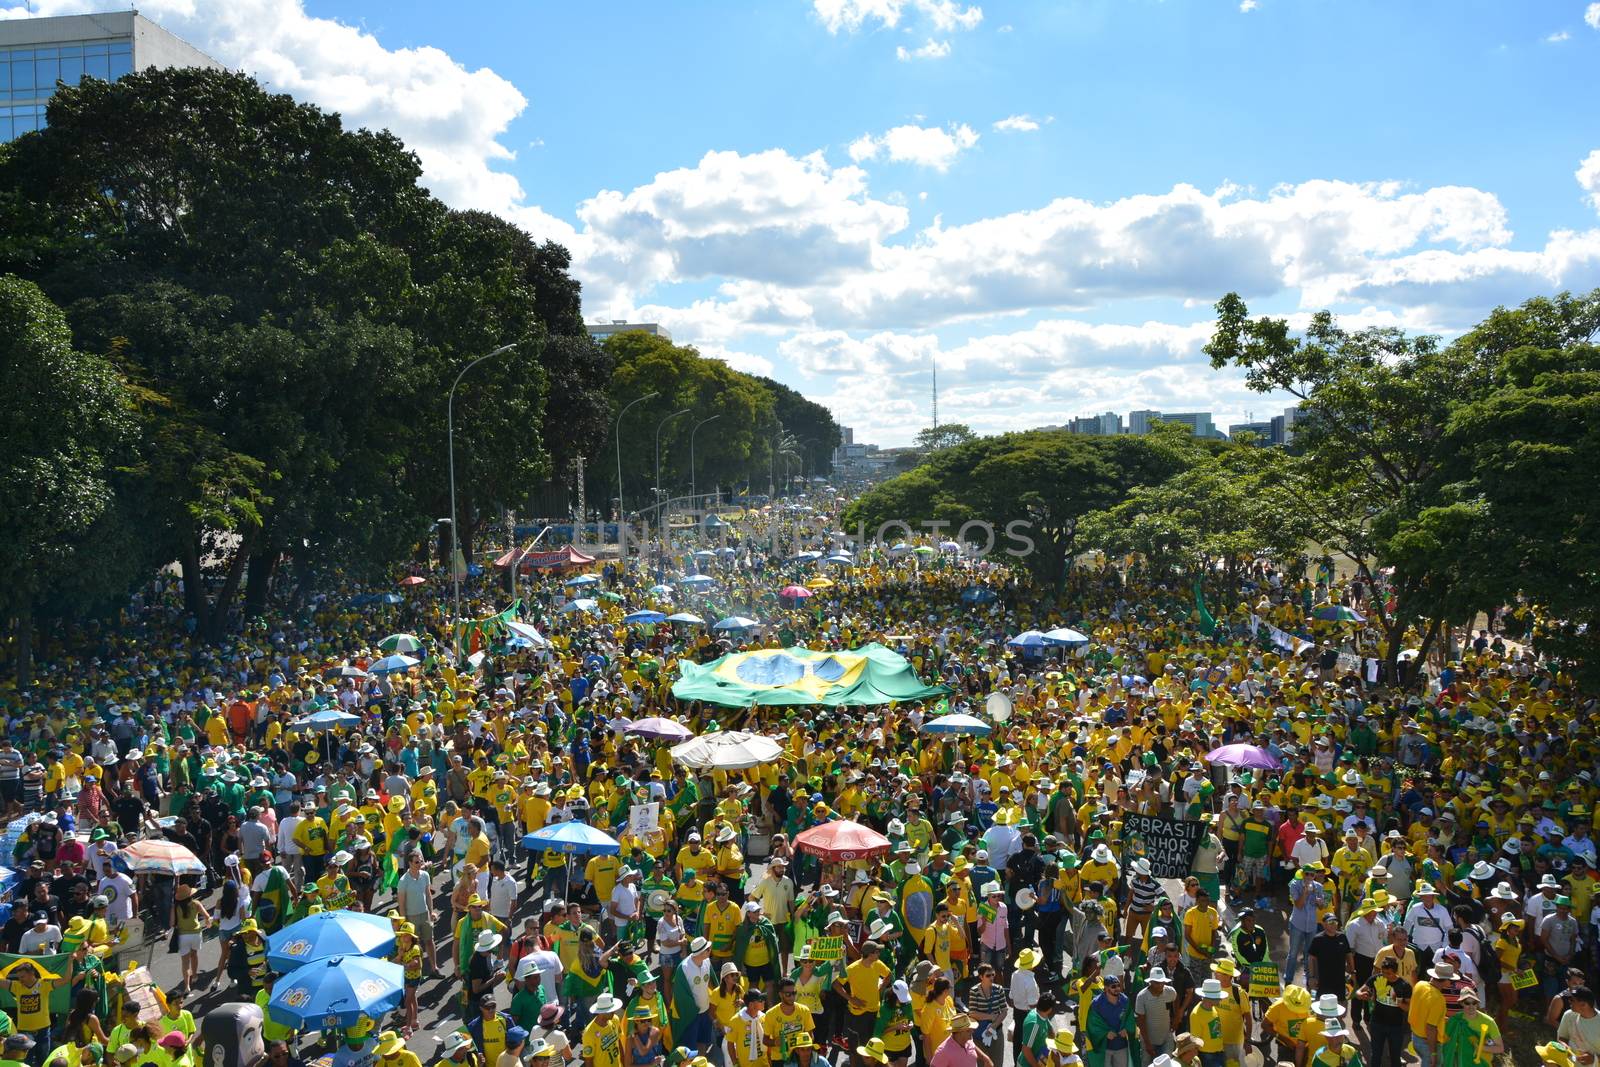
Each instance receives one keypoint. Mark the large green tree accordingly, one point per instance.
(292, 308)
(68, 418)
(1042, 483)
(1527, 463)
(1371, 475)
(741, 407)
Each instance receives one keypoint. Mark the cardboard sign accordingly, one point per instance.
(1265, 983)
(1169, 845)
(643, 818)
(140, 987)
(1524, 979)
(827, 949)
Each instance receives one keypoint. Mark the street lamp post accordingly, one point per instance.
(450, 444)
(702, 422)
(660, 496)
(621, 511)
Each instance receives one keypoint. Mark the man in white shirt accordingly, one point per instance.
(288, 851)
(1309, 849)
(122, 898)
(623, 908)
(698, 972)
(499, 889)
(1428, 922)
(41, 939)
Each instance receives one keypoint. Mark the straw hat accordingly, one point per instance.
(1028, 959)
(389, 1043)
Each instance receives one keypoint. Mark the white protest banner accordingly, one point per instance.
(643, 818)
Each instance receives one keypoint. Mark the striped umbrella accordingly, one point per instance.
(162, 857)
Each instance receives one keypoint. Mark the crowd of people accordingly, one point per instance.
(1409, 874)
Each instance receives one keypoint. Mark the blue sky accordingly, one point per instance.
(1043, 197)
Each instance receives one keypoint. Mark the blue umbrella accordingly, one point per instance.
(390, 598)
(736, 622)
(697, 580)
(977, 595)
(337, 992)
(1063, 635)
(327, 934)
(391, 664)
(686, 616)
(327, 719)
(581, 604)
(1028, 639)
(660, 590)
(644, 617)
(582, 579)
(572, 837)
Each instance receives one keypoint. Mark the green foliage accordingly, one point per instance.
(1047, 479)
(816, 433)
(725, 450)
(1218, 510)
(946, 435)
(67, 419)
(1528, 454)
(292, 306)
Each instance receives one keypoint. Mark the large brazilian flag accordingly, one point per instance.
(864, 676)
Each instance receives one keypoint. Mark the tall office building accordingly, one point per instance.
(1139, 421)
(37, 53)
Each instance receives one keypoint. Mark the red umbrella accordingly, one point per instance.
(794, 592)
(842, 840)
(415, 579)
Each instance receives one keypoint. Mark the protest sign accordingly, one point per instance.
(139, 986)
(643, 818)
(1265, 983)
(827, 949)
(1169, 845)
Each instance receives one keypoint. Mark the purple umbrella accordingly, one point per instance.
(1244, 756)
(661, 729)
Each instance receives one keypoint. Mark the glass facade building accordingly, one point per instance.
(38, 53)
(28, 77)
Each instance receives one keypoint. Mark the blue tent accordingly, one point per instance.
(327, 934)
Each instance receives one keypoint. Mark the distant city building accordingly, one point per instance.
(1198, 421)
(1139, 421)
(1287, 422)
(1266, 432)
(1107, 425)
(36, 53)
(602, 330)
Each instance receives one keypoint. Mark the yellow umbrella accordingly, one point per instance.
(819, 582)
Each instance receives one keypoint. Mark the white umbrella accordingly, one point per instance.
(732, 750)
(528, 634)
(581, 604)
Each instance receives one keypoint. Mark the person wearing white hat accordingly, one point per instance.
(1205, 1023)
(1153, 1009)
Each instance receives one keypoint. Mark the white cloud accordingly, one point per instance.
(850, 16)
(768, 217)
(923, 146)
(1592, 16)
(1588, 176)
(931, 50)
(1247, 6)
(1017, 124)
(1558, 37)
(455, 119)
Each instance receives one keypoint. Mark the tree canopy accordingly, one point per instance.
(289, 307)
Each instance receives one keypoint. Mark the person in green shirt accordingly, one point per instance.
(529, 998)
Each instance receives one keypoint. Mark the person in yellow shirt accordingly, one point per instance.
(1285, 1019)
(745, 1039)
(604, 1037)
(311, 834)
(1206, 1022)
(789, 1018)
(862, 985)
